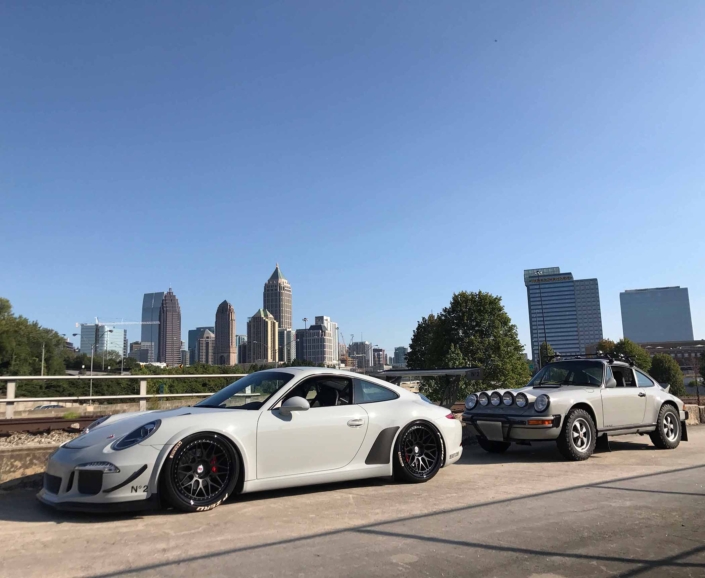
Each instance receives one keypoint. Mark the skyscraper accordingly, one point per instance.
(563, 311)
(361, 351)
(206, 347)
(104, 337)
(287, 345)
(241, 344)
(379, 357)
(170, 330)
(225, 346)
(151, 305)
(399, 359)
(277, 298)
(262, 338)
(193, 336)
(659, 314)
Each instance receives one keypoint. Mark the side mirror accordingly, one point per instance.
(294, 404)
(611, 382)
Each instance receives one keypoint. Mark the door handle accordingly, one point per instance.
(642, 394)
(356, 422)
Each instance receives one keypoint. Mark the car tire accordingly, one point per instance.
(493, 447)
(200, 472)
(578, 437)
(667, 435)
(419, 453)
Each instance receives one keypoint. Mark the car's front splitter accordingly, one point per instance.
(151, 503)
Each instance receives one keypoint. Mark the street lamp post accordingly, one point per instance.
(305, 320)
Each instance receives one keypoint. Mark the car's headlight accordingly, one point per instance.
(508, 398)
(521, 400)
(484, 399)
(542, 402)
(471, 401)
(495, 398)
(95, 424)
(137, 436)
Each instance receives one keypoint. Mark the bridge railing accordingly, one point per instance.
(11, 381)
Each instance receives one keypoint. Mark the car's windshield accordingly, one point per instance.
(569, 373)
(249, 392)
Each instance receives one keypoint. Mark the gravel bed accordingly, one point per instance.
(44, 439)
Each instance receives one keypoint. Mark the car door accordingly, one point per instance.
(624, 405)
(325, 437)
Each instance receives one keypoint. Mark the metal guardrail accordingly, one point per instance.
(10, 398)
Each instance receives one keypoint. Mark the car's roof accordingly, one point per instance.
(304, 371)
(596, 359)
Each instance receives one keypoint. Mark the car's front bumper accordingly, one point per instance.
(513, 427)
(68, 486)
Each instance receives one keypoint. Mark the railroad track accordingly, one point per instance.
(44, 424)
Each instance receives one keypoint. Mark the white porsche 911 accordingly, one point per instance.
(272, 429)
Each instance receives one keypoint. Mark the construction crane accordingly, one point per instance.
(99, 324)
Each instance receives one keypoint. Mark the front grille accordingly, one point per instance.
(69, 485)
(52, 484)
(90, 481)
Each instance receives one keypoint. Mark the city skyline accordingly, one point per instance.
(482, 163)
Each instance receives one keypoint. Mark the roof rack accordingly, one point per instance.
(599, 355)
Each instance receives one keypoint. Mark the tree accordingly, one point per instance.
(22, 343)
(665, 369)
(473, 331)
(546, 351)
(627, 348)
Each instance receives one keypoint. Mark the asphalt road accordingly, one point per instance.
(636, 511)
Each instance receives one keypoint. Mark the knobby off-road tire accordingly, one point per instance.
(493, 447)
(200, 472)
(578, 437)
(419, 452)
(668, 429)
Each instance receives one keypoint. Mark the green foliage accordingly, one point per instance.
(71, 415)
(21, 343)
(546, 351)
(665, 369)
(473, 331)
(627, 348)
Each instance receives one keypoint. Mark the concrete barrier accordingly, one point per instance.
(696, 414)
(18, 463)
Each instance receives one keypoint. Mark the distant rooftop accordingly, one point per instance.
(652, 289)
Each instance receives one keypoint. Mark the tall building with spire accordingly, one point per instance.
(170, 330)
(277, 298)
(225, 348)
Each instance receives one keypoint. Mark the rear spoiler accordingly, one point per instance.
(666, 386)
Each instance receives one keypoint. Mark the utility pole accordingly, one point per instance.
(43, 359)
(543, 320)
(305, 320)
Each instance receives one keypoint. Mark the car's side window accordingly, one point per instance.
(366, 392)
(324, 391)
(643, 380)
(608, 373)
(624, 377)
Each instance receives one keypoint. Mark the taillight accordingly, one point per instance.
(450, 416)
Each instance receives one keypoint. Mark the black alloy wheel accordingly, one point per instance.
(201, 472)
(419, 453)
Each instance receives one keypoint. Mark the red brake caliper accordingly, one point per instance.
(214, 469)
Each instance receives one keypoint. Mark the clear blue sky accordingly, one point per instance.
(386, 154)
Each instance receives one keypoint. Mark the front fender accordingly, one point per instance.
(165, 451)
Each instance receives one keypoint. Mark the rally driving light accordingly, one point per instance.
(484, 399)
(495, 398)
(137, 436)
(542, 402)
(508, 398)
(522, 400)
(471, 401)
(105, 467)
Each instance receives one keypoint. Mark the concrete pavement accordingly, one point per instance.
(636, 511)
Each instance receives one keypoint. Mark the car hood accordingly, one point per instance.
(121, 424)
